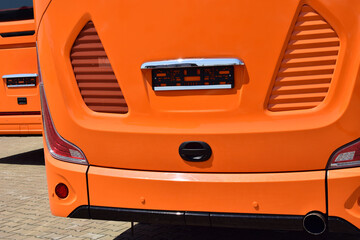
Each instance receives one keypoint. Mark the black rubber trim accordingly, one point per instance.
(197, 219)
(327, 196)
(80, 212)
(255, 221)
(87, 190)
(137, 215)
(339, 225)
(234, 220)
(249, 221)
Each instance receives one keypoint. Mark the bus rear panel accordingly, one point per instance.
(215, 113)
(19, 92)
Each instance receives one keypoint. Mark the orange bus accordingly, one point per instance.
(19, 92)
(229, 113)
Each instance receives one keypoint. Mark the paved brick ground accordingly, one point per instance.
(12, 145)
(24, 210)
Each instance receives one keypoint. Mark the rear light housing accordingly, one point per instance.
(346, 156)
(59, 148)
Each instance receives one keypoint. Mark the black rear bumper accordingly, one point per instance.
(234, 220)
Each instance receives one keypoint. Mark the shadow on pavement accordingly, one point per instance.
(35, 157)
(161, 232)
(20, 135)
(157, 232)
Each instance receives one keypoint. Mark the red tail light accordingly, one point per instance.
(59, 148)
(346, 156)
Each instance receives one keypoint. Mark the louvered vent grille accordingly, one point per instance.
(307, 66)
(94, 74)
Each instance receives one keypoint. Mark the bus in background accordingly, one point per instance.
(218, 113)
(19, 88)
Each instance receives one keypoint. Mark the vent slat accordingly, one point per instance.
(94, 75)
(302, 80)
(98, 85)
(314, 45)
(313, 36)
(311, 54)
(312, 27)
(305, 18)
(299, 42)
(88, 31)
(305, 73)
(297, 98)
(310, 23)
(292, 106)
(88, 46)
(95, 70)
(90, 54)
(315, 51)
(90, 61)
(308, 63)
(308, 9)
(88, 39)
(307, 68)
(310, 59)
(105, 101)
(298, 89)
(109, 109)
(310, 31)
(101, 94)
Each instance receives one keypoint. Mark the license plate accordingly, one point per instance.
(193, 78)
(20, 80)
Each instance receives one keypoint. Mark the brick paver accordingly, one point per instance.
(25, 214)
(12, 145)
(24, 209)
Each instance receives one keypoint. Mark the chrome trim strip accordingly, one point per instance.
(192, 62)
(199, 87)
(23, 85)
(20, 75)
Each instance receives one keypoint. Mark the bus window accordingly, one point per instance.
(16, 10)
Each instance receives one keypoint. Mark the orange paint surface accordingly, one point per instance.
(73, 176)
(276, 193)
(344, 194)
(226, 119)
(271, 135)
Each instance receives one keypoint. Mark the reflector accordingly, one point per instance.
(61, 190)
